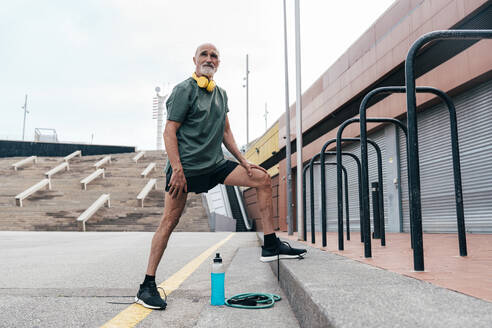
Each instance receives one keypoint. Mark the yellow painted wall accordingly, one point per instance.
(263, 148)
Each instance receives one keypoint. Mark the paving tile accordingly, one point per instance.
(444, 267)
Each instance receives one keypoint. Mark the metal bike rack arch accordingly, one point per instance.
(381, 220)
(456, 166)
(366, 221)
(347, 210)
(413, 169)
(361, 214)
(311, 176)
(359, 170)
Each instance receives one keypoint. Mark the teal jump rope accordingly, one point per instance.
(252, 300)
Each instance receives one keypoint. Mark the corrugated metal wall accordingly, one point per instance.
(474, 113)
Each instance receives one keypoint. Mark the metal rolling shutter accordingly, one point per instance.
(331, 193)
(474, 113)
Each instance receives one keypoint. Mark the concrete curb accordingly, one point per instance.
(328, 290)
(308, 313)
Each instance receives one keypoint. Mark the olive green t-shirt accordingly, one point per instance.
(202, 115)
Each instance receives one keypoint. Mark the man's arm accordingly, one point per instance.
(230, 144)
(178, 180)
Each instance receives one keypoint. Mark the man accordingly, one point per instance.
(196, 127)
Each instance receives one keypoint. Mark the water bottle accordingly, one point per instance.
(217, 277)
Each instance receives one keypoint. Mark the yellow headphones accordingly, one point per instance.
(204, 83)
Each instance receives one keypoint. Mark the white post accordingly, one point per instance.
(300, 228)
(288, 165)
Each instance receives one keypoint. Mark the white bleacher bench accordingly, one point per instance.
(85, 181)
(57, 169)
(31, 190)
(152, 184)
(138, 156)
(103, 161)
(88, 213)
(147, 170)
(72, 155)
(25, 161)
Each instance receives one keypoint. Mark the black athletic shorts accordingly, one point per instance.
(205, 182)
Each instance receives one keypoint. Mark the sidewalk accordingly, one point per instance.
(444, 267)
(247, 274)
(329, 290)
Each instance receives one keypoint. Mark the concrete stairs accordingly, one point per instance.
(57, 209)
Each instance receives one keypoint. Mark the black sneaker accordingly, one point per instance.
(282, 250)
(149, 296)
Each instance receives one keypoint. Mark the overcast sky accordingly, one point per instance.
(90, 67)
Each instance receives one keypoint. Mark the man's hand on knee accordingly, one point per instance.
(177, 184)
(249, 166)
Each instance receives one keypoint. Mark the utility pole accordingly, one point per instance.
(25, 113)
(266, 116)
(246, 85)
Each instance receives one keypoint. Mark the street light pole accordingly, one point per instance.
(300, 209)
(25, 113)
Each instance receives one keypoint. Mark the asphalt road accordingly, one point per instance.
(74, 279)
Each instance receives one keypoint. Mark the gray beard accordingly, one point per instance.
(206, 70)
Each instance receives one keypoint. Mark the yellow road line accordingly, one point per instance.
(135, 313)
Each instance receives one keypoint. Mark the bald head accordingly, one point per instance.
(206, 46)
(206, 60)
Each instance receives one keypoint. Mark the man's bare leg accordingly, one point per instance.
(263, 184)
(173, 207)
(273, 249)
